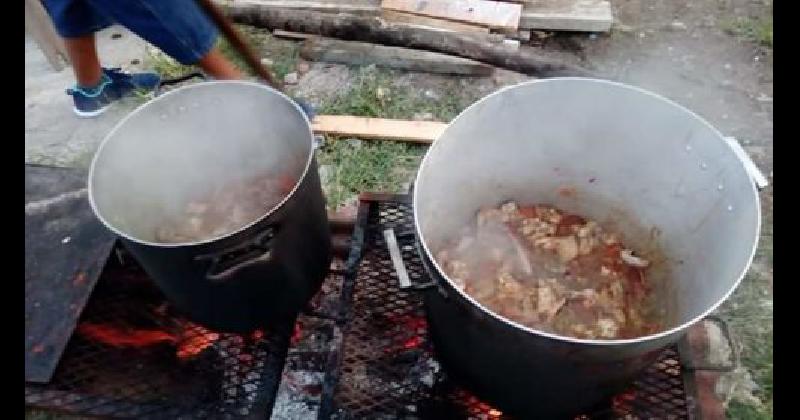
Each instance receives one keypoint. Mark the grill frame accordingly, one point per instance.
(349, 339)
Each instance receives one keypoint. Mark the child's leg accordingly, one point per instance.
(82, 53)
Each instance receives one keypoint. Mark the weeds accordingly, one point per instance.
(373, 95)
(751, 29)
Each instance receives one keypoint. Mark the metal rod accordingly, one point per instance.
(237, 41)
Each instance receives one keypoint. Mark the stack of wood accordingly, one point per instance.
(540, 15)
(464, 37)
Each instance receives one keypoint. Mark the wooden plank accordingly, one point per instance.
(445, 25)
(296, 36)
(378, 128)
(363, 53)
(40, 27)
(355, 7)
(493, 14)
(567, 15)
(511, 44)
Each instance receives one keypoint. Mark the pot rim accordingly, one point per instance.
(645, 338)
(141, 108)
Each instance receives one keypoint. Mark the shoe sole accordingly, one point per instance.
(90, 114)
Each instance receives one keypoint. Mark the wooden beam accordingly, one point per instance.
(445, 25)
(493, 14)
(567, 15)
(40, 27)
(378, 128)
(363, 53)
(354, 7)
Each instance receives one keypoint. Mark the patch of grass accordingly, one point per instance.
(166, 66)
(284, 56)
(740, 411)
(373, 95)
(282, 53)
(751, 29)
(355, 166)
(749, 315)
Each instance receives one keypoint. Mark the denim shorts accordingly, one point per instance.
(178, 27)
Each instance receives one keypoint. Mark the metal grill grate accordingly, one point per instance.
(366, 356)
(174, 370)
(388, 370)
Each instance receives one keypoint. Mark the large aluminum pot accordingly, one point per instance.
(188, 143)
(619, 155)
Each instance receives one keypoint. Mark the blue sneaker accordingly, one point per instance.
(124, 84)
(91, 102)
(114, 84)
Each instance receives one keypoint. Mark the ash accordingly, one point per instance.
(296, 397)
(300, 390)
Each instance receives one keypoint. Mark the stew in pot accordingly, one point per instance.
(552, 271)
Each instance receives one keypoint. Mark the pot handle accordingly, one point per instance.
(400, 267)
(758, 177)
(225, 264)
(397, 259)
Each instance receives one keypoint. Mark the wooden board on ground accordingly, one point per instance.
(355, 7)
(378, 128)
(445, 25)
(567, 15)
(493, 14)
(363, 53)
(296, 36)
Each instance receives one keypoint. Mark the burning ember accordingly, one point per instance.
(474, 405)
(257, 335)
(619, 402)
(414, 325)
(195, 343)
(191, 341)
(413, 343)
(297, 334)
(117, 337)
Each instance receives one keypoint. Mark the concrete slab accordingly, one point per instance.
(53, 134)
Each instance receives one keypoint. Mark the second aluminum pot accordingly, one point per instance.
(203, 137)
(617, 154)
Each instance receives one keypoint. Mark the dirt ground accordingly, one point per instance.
(712, 56)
